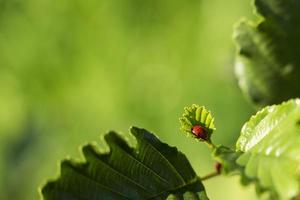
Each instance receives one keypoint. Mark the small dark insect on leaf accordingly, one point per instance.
(200, 132)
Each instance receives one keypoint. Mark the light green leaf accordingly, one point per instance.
(268, 61)
(269, 145)
(151, 170)
(197, 115)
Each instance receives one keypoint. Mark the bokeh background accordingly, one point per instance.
(71, 69)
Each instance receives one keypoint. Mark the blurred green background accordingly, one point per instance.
(70, 70)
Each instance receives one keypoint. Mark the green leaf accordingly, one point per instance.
(151, 170)
(268, 61)
(270, 149)
(197, 115)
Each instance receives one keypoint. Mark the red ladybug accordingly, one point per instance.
(199, 132)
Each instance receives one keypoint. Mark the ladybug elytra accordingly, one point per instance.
(199, 132)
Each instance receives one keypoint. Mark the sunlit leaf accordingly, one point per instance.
(268, 151)
(270, 143)
(196, 115)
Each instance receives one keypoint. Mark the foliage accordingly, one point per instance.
(155, 170)
(267, 151)
(268, 62)
(197, 115)
(152, 170)
(72, 69)
(267, 66)
(270, 144)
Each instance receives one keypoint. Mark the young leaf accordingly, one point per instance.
(151, 170)
(270, 149)
(198, 122)
(268, 61)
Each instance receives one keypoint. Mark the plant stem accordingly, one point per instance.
(208, 176)
(211, 145)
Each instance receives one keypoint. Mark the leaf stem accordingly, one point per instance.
(211, 145)
(208, 176)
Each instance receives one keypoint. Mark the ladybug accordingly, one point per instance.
(200, 132)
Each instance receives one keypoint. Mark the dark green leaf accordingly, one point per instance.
(268, 61)
(151, 170)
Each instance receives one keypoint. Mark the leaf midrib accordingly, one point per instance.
(193, 181)
(139, 162)
(170, 164)
(122, 175)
